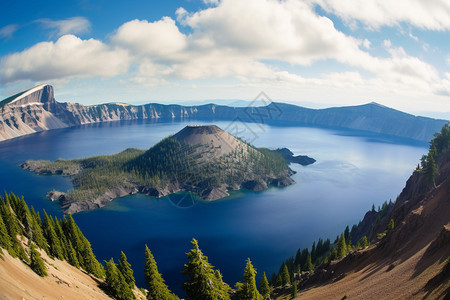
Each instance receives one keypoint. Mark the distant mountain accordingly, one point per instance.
(37, 110)
(204, 160)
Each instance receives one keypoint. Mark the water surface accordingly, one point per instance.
(352, 172)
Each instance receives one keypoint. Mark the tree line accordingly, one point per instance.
(23, 231)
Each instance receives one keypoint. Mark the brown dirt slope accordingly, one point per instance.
(407, 263)
(18, 281)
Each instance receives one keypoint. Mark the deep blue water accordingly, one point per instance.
(352, 172)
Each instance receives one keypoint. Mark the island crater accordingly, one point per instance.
(201, 159)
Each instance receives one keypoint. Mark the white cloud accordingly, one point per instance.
(160, 39)
(75, 25)
(248, 41)
(429, 14)
(211, 2)
(366, 43)
(69, 57)
(234, 38)
(6, 32)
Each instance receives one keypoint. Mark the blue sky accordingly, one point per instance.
(317, 53)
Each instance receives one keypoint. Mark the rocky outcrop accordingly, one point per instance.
(288, 155)
(37, 110)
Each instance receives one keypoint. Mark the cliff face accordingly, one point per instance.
(407, 262)
(36, 110)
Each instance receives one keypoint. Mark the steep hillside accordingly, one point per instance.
(405, 262)
(64, 281)
(36, 110)
(204, 160)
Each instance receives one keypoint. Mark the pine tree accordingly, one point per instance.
(246, 290)
(309, 267)
(61, 236)
(117, 285)
(224, 287)
(82, 247)
(294, 290)
(364, 242)
(264, 287)
(72, 256)
(52, 238)
(125, 268)
(9, 219)
(390, 226)
(341, 247)
(20, 251)
(431, 170)
(278, 281)
(346, 233)
(5, 240)
(36, 262)
(91, 264)
(157, 289)
(201, 284)
(285, 278)
(37, 234)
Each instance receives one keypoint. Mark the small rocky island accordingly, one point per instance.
(204, 160)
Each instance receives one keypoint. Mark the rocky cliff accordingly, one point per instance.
(36, 110)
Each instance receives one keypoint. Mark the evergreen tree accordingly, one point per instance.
(313, 251)
(125, 268)
(333, 254)
(5, 240)
(9, 219)
(431, 170)
(37, 234)
(157, 289)
(299, 270)
(19, 250)
(264, 287)
(278, 281)
(72, 256)
(117, 285)
(246, 290)
(36, 262)
(309, 267)
(341, 247)
(294, 290)
(202, 284)
(390, 226)
(364, 242)
(285, 278)
(52, 238)
(61, 236)
(346, 233)
(91, 264)
(82, 247)
(224, 287)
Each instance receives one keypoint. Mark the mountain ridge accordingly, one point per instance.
(39, 111)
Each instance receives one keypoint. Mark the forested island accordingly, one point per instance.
(204, 160)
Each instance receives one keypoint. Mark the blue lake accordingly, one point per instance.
(352, 172)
